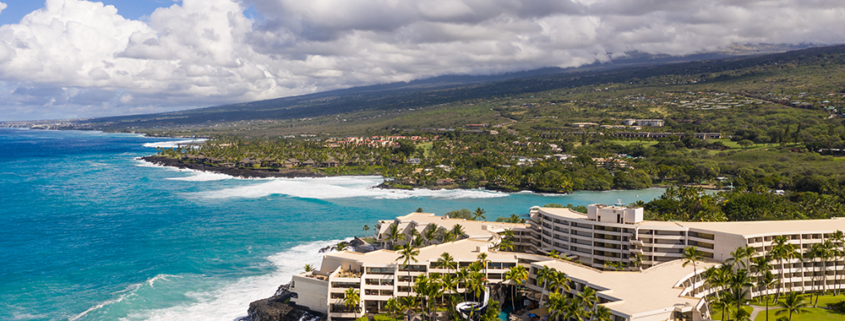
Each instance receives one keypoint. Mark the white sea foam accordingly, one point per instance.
(200, 176)
(129, 291)
(231, 301)
(338, 187)
(173, 144)
(162, 277)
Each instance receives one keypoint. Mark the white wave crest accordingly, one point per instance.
(130, 290)
(200, 176)
(232, 300)
(338, 187)
(162, 277)
(173, 144)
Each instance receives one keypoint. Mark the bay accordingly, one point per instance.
(88, 232)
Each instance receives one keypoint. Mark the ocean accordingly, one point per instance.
(88, 232)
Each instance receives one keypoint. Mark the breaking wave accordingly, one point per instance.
(231, 301)
(173, 144)
(338, 187)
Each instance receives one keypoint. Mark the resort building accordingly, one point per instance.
(633, 264)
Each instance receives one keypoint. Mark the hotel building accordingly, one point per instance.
(655, 287)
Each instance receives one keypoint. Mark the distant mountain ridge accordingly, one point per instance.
(447, 88)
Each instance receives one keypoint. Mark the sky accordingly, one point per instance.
(75, 58)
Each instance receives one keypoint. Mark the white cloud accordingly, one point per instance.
(3, 7)
(207, 52)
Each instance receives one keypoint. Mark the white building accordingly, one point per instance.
(655, 287)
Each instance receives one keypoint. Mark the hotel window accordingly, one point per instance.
(377, 270)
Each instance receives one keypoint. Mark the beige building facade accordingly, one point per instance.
(633, 264)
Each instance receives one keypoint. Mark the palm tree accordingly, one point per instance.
(393, 234)
(743, 315)
(766, 281)
(692, 255)
(724, 302)
(812, 254)
(458, 231)
(366, 229)
(479, 213)
(602, 314)
(544, 275)
(392, 305)
(557, 305)
(739, 254)
(793, 303)
(352, 300)
(559, 282)
(430, 233)
(738, 282)
(450, 283)
(463, 278)
(446, 261)
(408, 254)
(838, 240)
(588, 298)
(482, 258)
(779, 253)
(516, 275)
(826, 251)
(448, 236)
(309, 268)
(476, 283)
(408, 303)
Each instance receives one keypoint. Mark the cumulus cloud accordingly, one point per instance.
(77, 58)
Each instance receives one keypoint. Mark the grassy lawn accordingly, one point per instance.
(645, 143)
(824, 300)
(717, 313)
(812, 314)
(818, 313)
(426, 147)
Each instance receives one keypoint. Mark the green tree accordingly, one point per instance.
(406, 255)
(392, 305)
(745, 143)
(446, 261)
(516, 275)
(692, 255)
(479, 213)
(793, 303)
(393, 234)
(352, 300)
(767, 281)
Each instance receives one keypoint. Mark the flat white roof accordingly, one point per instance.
(746, 229)
(640, 293)
(463, 250)
(474, 229)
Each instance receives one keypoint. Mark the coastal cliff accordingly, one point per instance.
(277, 309)
(232, 171)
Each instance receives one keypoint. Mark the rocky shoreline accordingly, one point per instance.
(232, 171)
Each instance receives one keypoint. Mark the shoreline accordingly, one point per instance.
(244, 173)
(232, 171)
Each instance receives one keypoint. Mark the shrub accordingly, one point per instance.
(383, 317)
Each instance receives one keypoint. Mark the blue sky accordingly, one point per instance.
(132, 9)
(77, 58)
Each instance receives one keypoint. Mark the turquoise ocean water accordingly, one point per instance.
(87, 232)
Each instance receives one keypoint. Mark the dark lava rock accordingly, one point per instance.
(276, 309)
(232, 171)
